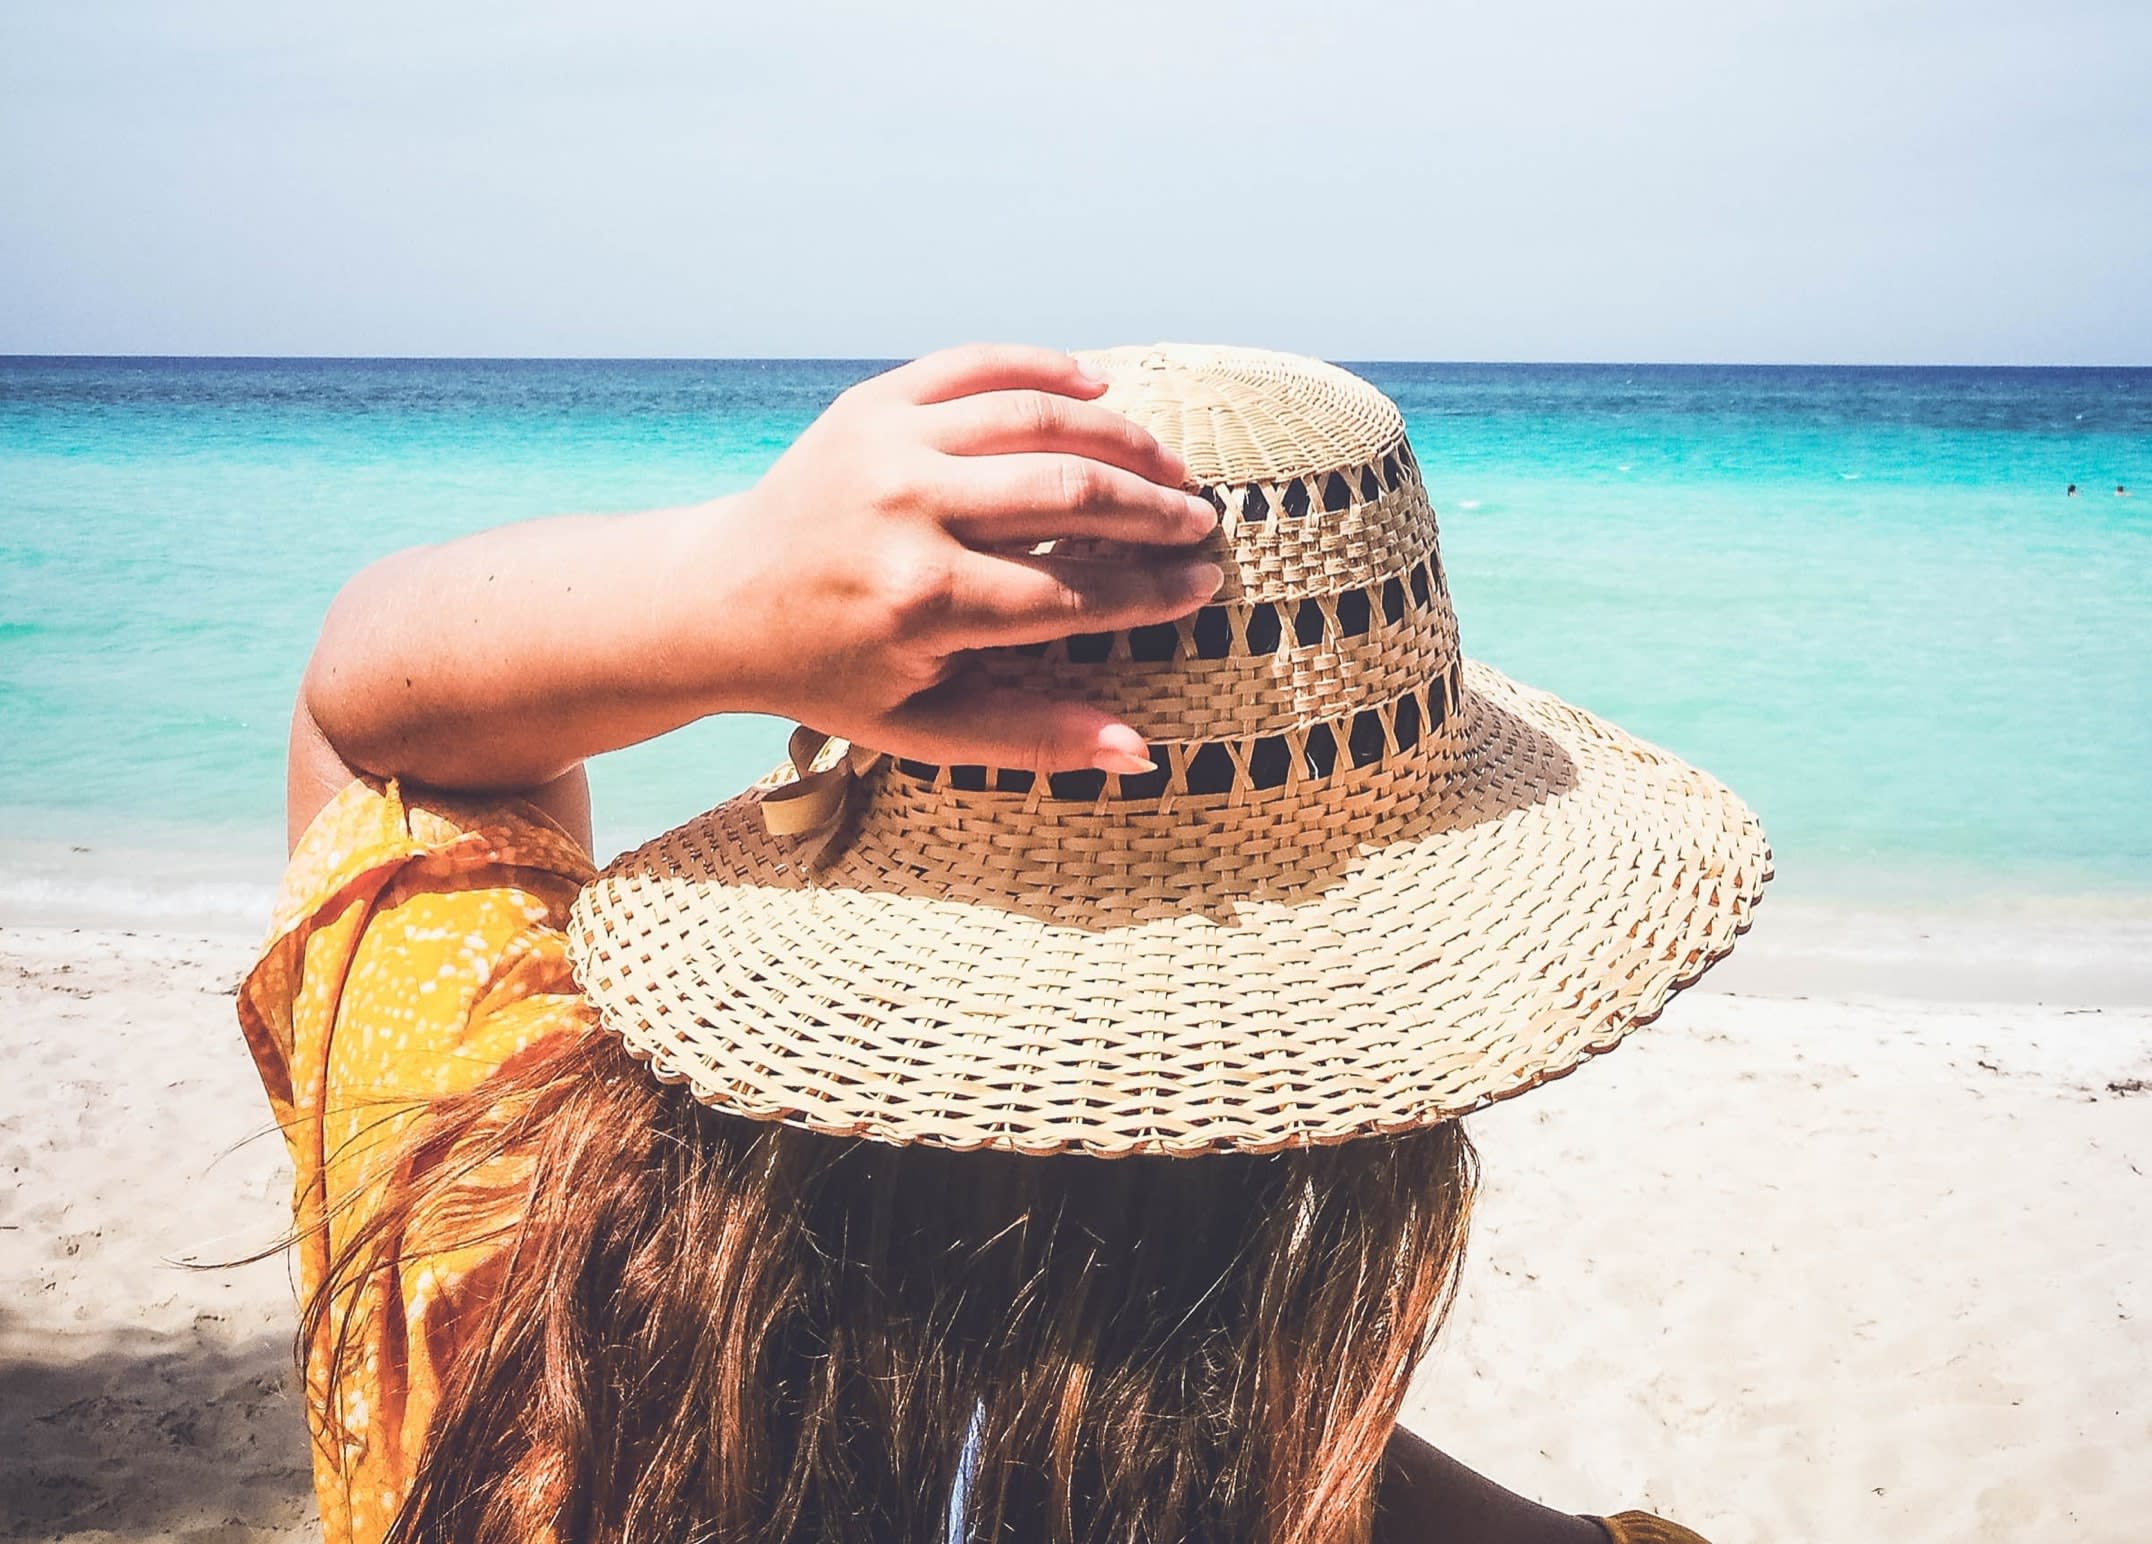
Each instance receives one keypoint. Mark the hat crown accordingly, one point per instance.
(1243, 415)
(1331, 644)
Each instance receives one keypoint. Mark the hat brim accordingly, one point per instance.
(963, 978)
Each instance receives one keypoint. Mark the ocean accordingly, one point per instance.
(1860, 596)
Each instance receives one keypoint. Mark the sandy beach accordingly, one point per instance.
(1855, 1244)
(1762, 391)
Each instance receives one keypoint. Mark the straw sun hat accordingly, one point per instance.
(1371, 886)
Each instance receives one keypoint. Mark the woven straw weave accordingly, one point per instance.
(1372, 885)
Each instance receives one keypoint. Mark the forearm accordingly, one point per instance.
(918, 520)
(503, 659)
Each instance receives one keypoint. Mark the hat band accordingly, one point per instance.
(1309, 753)
(1331, 492)
(1256, 629)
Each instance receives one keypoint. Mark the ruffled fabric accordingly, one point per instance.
(417, 948)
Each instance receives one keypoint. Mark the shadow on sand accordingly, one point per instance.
(133, 1435)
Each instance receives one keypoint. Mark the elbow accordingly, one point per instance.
(359, 688)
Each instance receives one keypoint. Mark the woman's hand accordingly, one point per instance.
(844, 591)
(897, 533)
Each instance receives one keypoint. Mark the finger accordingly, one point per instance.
(997, 423)
(957, 725)
(996, 501)
(1003, 599)
(976, 367)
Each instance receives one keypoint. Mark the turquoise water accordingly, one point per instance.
(1860, 596)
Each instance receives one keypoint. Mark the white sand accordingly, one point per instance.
(139, 1399)
(1781, 1269)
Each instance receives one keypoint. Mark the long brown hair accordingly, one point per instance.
(708, 1328)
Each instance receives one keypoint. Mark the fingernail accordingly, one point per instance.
(1202, 511)
(1176, 465)
(1092, 373)
(1120, 749)
(1205, 580)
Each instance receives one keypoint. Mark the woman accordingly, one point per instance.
(1030, 1117)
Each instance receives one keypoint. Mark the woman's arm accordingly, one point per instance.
(843, 591)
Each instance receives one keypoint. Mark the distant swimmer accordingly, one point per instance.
(2070, 492)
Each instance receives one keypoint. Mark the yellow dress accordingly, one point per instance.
(419, 946)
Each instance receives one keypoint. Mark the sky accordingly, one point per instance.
(1894, 181)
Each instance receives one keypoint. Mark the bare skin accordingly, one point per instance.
(843, 591)
(1428, 1497)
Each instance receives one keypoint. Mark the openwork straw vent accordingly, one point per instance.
(1372, 885)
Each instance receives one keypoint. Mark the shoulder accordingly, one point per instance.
(1426, 1496)
(374, 827)
(416, 937)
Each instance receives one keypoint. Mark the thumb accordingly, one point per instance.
(1003, 727)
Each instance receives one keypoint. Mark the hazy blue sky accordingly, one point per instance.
(1896, 180)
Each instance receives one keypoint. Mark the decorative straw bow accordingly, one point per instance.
(816, 806)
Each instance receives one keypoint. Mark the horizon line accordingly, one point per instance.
(895, 359)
